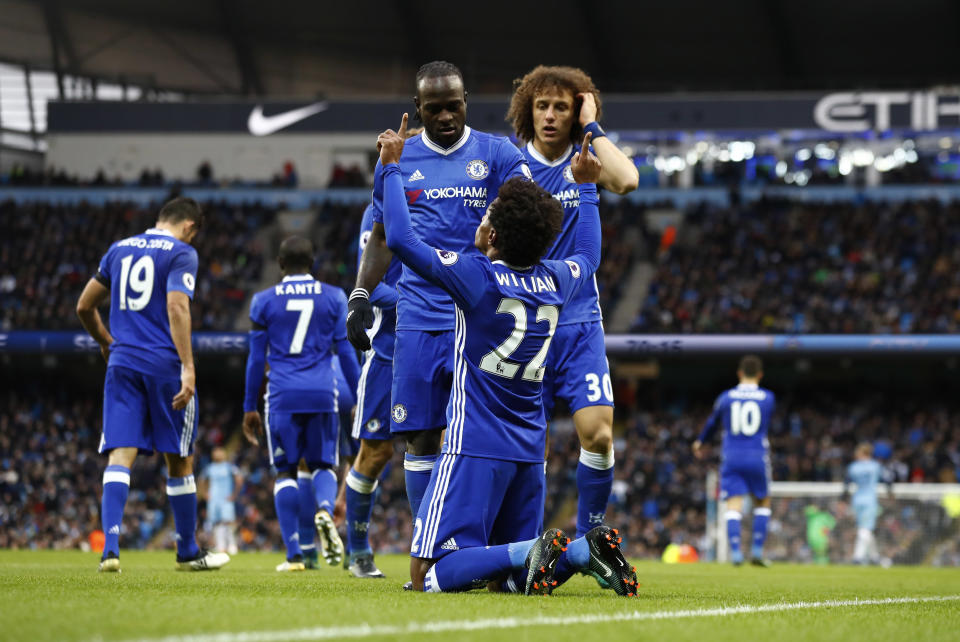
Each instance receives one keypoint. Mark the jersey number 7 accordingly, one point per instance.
(495, 361)
(305, 308)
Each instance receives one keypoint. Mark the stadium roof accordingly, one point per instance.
(373, 48)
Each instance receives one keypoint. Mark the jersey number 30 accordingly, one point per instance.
(495, 361)
(744, 418)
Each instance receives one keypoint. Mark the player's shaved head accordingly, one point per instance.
(751, 366)
(437, 69)
(296, 255)
(527, 220)
(864, 450)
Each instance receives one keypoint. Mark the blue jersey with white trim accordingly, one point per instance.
(557, 178)
(745, 412)
(447, 191)
(505, 320)
(140, 271)
(383, 334)
(304, 319)
(866, 474)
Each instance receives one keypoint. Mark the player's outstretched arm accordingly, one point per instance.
(93, 296)
(396, 216)
(619, 174)
(256, 361)
(178, 312)
(586, 168)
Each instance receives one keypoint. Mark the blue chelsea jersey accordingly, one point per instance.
(505, 320)
(745, 412)
(383, 334)
(140, 271)
(557, 178)
(447, 191)
(304, 319)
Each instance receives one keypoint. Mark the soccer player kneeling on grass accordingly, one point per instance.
(483, 509)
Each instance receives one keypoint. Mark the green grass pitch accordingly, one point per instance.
(60, 596)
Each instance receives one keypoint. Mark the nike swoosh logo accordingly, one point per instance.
(260, 125)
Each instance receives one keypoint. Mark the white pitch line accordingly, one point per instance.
(366, 630)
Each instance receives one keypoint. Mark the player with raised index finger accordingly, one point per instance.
(450, 174)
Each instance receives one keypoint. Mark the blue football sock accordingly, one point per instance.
(761, 516)
(733, 535)
(325, 488)
(287, 502)
(469, 568)
(594, 481)
(116, 487)
(182, 492)
(416, 471)
(361, 494)
(306, 510)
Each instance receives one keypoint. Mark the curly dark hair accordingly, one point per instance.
(527, 220)
(541, 79)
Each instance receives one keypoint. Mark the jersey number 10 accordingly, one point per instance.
(744, 418)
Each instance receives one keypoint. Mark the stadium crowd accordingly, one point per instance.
(788, 267)
(48, 252)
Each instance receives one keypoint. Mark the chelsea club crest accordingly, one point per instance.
(399, 413)
(568, 174)
(477, 169)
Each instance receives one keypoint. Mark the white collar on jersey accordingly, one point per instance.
(513, 267)
(446, 151)
(298, 277)
(540, 158)
(157, 230)
(747, 386)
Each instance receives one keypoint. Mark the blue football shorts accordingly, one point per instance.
(477, 501)
(372, 420)
(745, 476)
(138, 413)
(422, 378)
(577, 368)
(312, 436)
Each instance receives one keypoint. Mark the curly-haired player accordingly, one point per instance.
(550, 109)
(481, 514)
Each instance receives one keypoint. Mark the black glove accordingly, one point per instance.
(359, 319)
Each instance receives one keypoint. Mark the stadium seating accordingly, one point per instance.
(787, 267)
